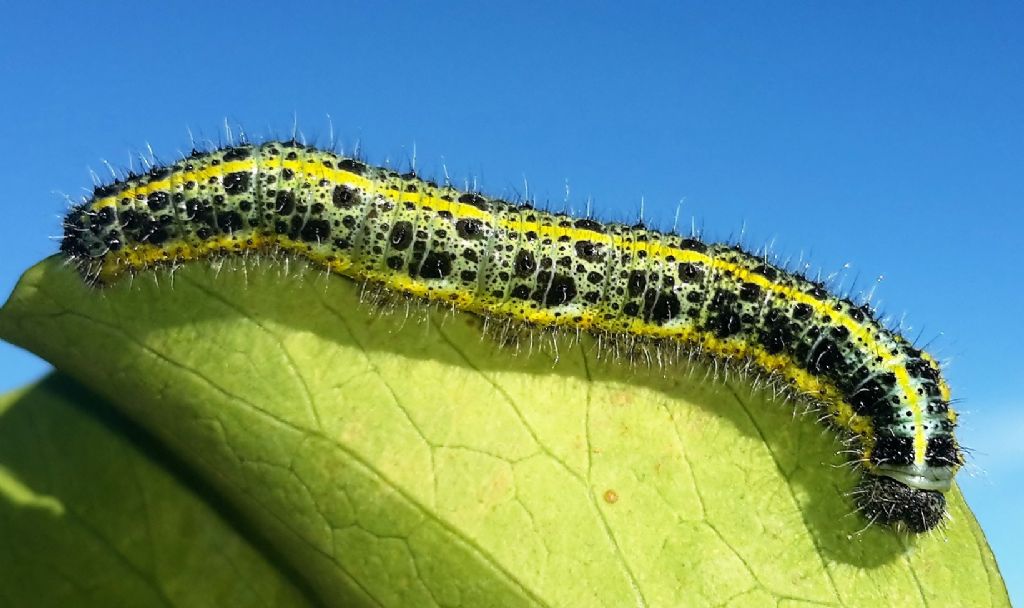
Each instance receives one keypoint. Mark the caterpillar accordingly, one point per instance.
(505, 261)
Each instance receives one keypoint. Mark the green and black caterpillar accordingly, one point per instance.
(513, 262)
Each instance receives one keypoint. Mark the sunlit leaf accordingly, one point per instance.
(402, 460)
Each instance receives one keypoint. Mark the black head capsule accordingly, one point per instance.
(885, 501)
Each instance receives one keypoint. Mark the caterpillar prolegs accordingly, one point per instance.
(505, 261)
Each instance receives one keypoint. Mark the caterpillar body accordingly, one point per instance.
(504, 261)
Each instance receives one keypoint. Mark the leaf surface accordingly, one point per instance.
(402, 460)
(93, 514)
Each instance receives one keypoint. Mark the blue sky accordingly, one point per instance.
(889, 137)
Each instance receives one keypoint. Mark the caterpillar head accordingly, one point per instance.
(886, 501)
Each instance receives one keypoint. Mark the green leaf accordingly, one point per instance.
(91, 514)
(401, 460)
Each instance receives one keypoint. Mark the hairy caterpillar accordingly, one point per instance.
(504, 261)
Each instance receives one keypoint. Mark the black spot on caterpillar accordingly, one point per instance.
(492, 258)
